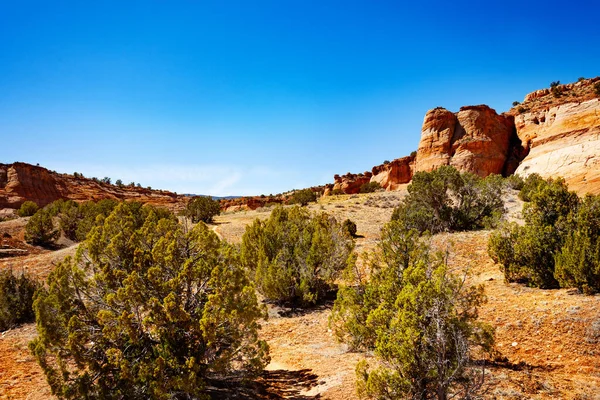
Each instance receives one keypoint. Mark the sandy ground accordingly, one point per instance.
(548, 340)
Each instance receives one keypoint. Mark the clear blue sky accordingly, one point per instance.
(251, 97)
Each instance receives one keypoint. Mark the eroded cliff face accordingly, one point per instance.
(350, 183)
(20, 182)
(563, 141)
(394, 174)
(476, 139)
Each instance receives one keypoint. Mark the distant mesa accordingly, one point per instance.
(20, 182)
(554, 132)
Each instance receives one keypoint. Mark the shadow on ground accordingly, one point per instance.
(271, 385)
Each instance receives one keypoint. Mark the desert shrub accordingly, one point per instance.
(530, 185)
(527, 253)
(578, 261)
(27, 209)
(337, 192)
(303, 197)
(40, 229)
(515, 103)
(203, 209)
(349, 227)
(16, 299)
(147, 309)
(106, 180)
(447, 200)
(295, 257)
(420, 321)
(597, 88)
(521, 109)
(413, 154)
(369, 187)
(119, 183)
(515, 182)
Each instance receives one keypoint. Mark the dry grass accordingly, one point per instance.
(548, 340)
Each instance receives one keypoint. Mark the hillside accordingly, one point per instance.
(548, 340)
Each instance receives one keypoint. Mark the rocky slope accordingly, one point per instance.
(20, 182)
(554, 132)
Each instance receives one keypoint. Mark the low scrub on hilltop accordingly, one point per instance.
(448, 200)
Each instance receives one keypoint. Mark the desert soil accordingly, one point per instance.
(548, 340)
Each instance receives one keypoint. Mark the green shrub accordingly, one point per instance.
(147, 309)
(203, 209)
(294, 257)
(446, 200)
(303, 197)
(369, 187)
(530, 185)
(27, 209)
(349, 227)
(515, 182)
(527, 253)
(40, 229)
(420, 321)
(16, 299)
(578, 262)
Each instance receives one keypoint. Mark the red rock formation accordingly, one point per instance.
(351, 183)
(475, 139)
(393, 174)
(20, 182)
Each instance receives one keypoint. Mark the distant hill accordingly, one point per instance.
(20, 182)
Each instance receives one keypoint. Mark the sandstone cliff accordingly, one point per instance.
(20, 182)
(393, 174)
(350, 183)
(475, 139)
(554, 132)
(560, 128)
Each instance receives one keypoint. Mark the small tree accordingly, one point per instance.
(350, 227)
(147, 309)
(119, 183)
(295, 257)
(578, 261)
(40, 229)
(106, 180)
(420, 321)
(16, 299)
(303, 197)
(202, 209)
(369, 187)
(27, 209)
(447, 200)
(527, 253)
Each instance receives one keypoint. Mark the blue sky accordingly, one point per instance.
(251, 97)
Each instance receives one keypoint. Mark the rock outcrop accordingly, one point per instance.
(20, 182)
(562, 134)
(350, 183)
(476, 139)
(393, 174)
